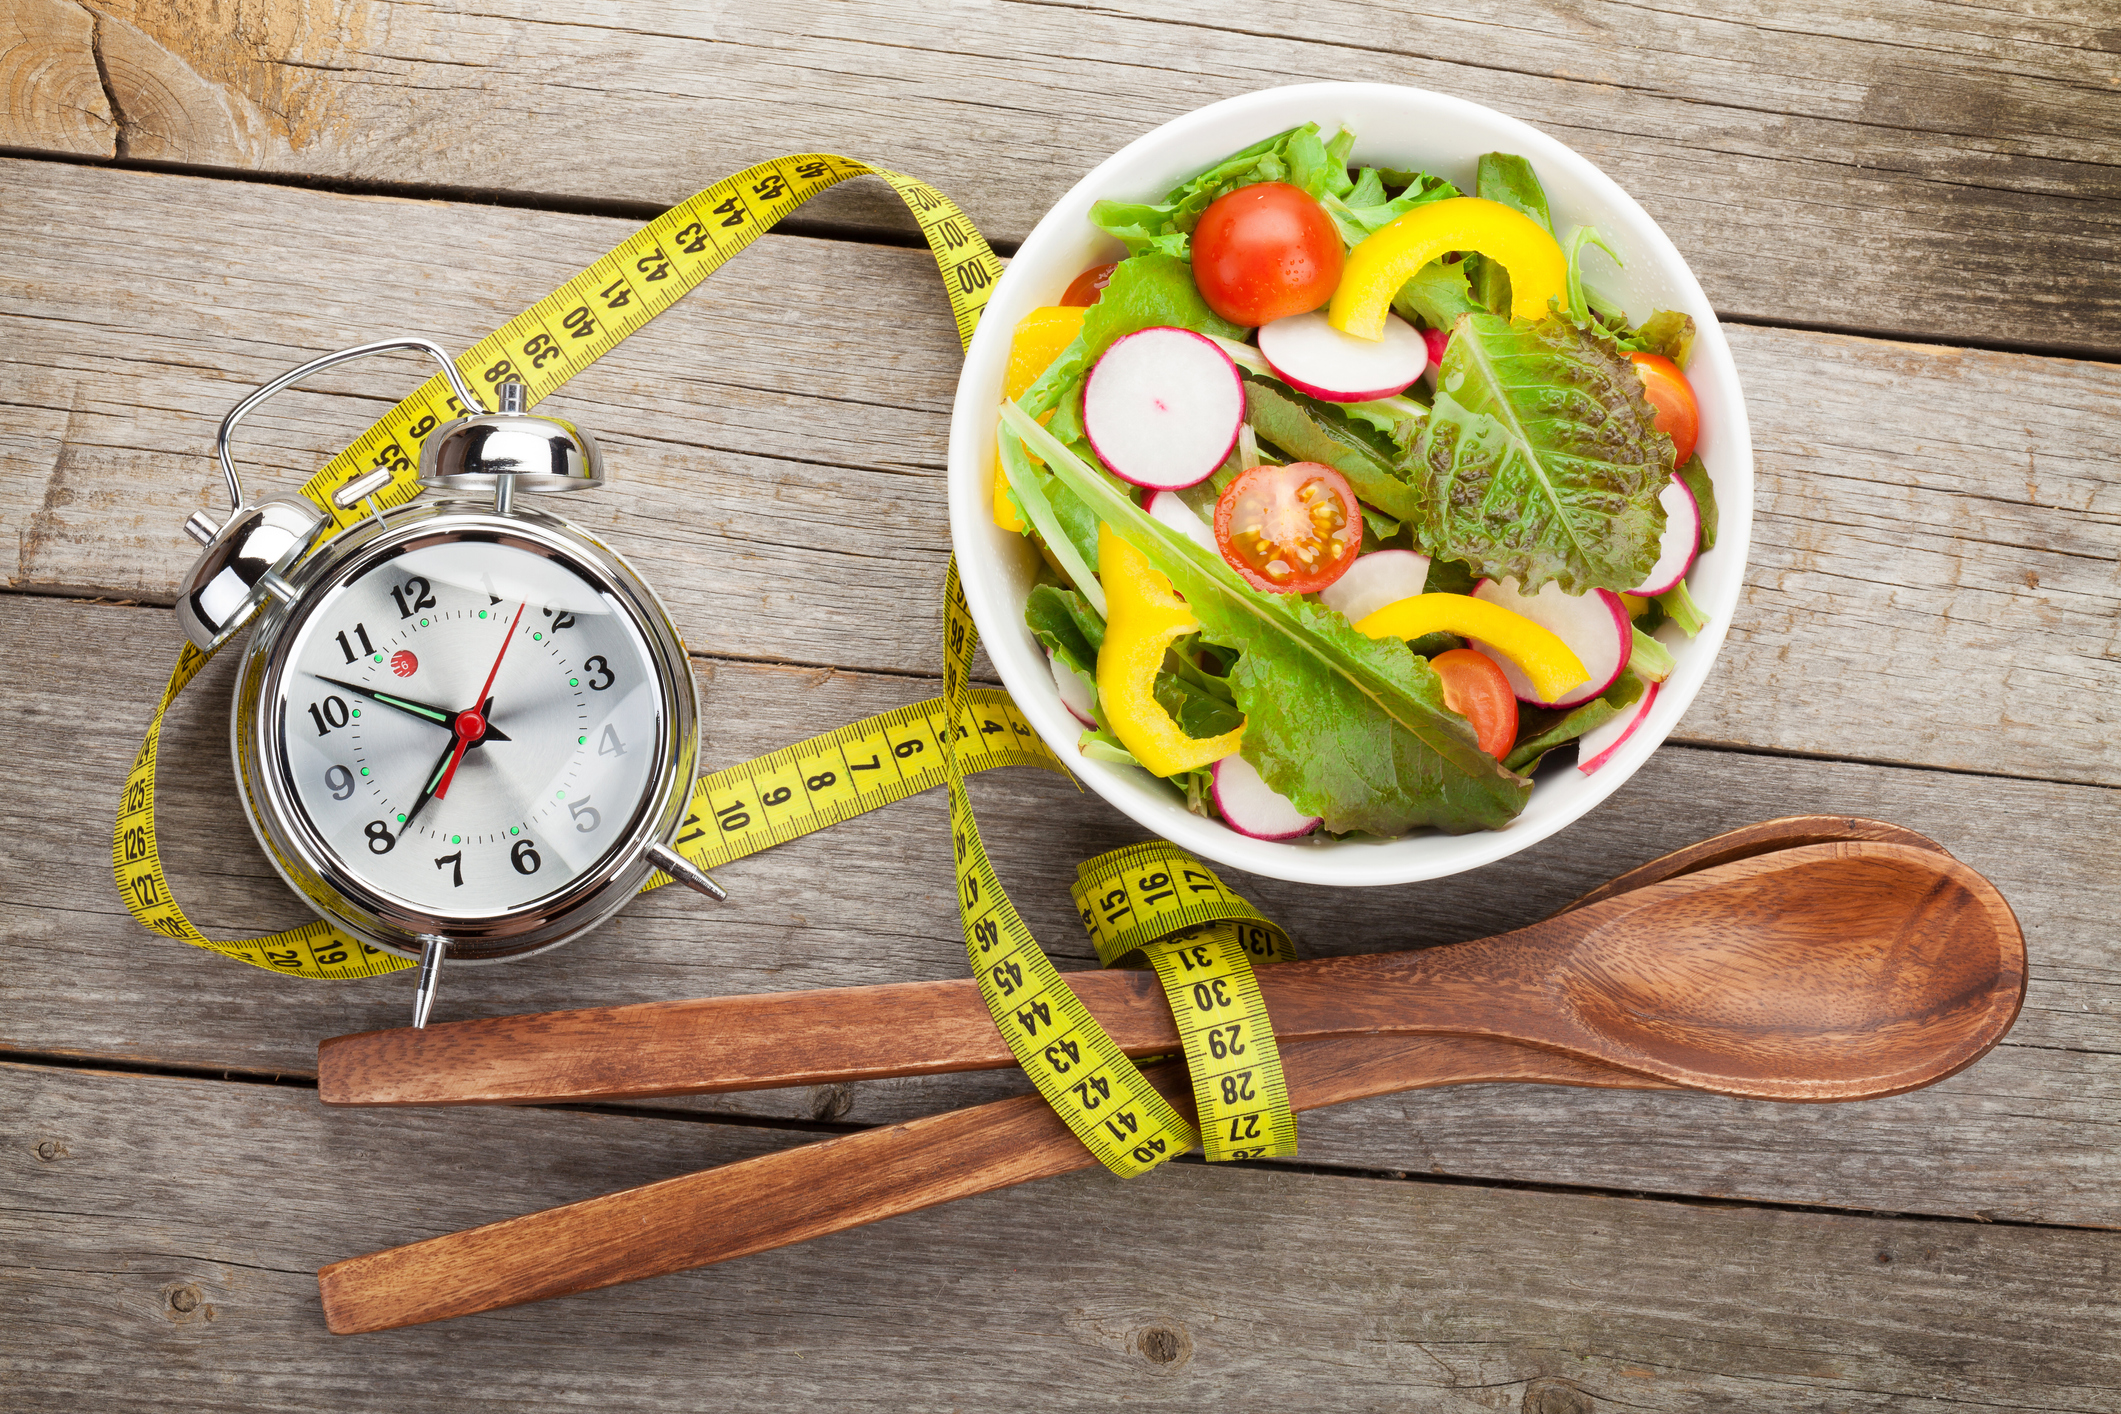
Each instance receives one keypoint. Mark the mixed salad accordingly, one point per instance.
(1354, 499)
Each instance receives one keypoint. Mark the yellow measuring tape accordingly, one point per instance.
(1205, 967)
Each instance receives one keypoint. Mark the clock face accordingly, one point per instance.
(469, 726)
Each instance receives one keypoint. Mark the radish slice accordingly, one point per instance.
(1682, 538)
(1379, 578)
(1314, 357)
(1249, 807)
(1594, 625)
(1163, 406)
(1168, 508)
(1077, 694)
(1595, 745)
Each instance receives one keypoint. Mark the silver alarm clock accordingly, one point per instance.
(463, 729)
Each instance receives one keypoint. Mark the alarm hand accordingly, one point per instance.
(470, 724)
(440, 716)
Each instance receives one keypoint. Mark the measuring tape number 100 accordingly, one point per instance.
(1151, 901)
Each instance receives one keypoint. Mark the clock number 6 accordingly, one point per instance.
(525, 857)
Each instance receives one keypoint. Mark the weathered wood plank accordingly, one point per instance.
(1878, 149)
(2020, 1135)
(161, 1239)
(51, 98)
(1937, 556)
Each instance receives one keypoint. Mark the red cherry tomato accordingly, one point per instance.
(1666, 388)
(1265, 252)
(1085, 288)
(1476, 690)
(1289, 529)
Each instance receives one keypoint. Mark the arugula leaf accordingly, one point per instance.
(1436, 295)
(1696, 477)
(1312, 431)
(1541, 731)
(1351, 728)
(1064, 623)
(1540, 460)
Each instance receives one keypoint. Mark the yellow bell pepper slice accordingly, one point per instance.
(1143, 616)
(1389, 257)
(1042, 336)
(1538, 652)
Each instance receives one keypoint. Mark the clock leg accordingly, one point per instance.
(423, 997)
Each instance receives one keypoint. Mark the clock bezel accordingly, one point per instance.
(316, 872)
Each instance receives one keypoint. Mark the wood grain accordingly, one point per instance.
(1880, 147)
(51, 97)
(1841, 970)
(164, 1256)
(1937, 537)
(870, 902)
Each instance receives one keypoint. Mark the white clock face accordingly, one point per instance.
(470, 726)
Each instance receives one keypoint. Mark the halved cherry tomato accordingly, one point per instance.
(1289, 529)
(1085, 288)
(1265, 252)
(1666, 388)
(1476, 690)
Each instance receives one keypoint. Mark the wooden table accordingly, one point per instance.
(1907, 213)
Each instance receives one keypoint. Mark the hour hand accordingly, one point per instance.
(426, 712)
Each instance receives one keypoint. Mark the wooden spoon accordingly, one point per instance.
(843, 1183)
(1836, 971)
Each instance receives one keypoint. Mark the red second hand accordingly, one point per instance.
(470, 726)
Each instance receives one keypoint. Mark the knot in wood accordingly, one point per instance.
(1555, 1397)
(1164, 1345)
(50, 1150)
(184, 1298)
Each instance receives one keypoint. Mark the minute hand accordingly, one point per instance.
(426, 712)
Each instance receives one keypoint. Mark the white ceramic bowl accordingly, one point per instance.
(1394, 127)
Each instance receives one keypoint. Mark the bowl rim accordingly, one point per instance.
(997, 608)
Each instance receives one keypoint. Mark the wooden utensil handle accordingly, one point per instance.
(837, 1184)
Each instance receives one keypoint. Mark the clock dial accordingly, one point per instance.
(469, 726)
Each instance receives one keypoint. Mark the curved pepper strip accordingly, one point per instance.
(1143, 617)
(1537, 651)
(1389, 257)
(1040, 337)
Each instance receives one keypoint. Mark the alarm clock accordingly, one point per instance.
(464, 729)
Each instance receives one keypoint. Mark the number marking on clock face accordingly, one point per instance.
(554, 763)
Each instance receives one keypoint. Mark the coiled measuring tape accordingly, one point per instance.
(1201, 945)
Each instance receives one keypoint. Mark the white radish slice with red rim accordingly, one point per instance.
(1251, 807)
(1379, 578)
(1077, 694)
(1594, 625)
(1595, 746)
(1163, 406)
(1312, 356)
(1682, 538)
(1168, 508)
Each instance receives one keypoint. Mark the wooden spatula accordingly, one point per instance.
(843, 1183)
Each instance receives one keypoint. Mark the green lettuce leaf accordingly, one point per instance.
(1509, 179)
(1064, 623)
(1437, 295)
(1540, 731)
(1299, 157)
(1670, 333)
(1350, 728)
(1308, 430)
(1198, 714)
(1366, 210)
(1540, 460)
(1696, 477)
